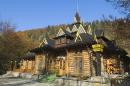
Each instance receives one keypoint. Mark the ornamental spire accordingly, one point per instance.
(77, 5)
(77, 16)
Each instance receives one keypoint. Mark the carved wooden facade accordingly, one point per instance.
(70, 53)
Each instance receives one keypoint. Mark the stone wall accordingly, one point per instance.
(95, 81)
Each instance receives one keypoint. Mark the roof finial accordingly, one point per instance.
(77, 16)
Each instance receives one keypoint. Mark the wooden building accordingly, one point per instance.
(78, 52)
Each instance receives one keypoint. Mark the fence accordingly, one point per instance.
(120, 82)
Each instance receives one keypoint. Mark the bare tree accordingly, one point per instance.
(11, 46)
(123, 5)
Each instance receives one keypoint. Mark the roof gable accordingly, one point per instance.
(74, 29)
(68, 29)
(78, 37)
(44, 42)
(60, 32)
(81, 29)
(90, 30)
(95, 36)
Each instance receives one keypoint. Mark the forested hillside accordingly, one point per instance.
(114, 29)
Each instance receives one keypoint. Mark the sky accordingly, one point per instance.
(30, 14)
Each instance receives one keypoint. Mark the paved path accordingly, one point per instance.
(21, 82)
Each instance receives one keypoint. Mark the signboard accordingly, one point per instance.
(97, 47)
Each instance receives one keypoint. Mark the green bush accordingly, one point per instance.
(48, 78)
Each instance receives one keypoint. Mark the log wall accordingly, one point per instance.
(78, 63)
(39, 63)
(87, 63)
(27, 66)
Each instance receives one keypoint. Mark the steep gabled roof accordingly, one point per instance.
(42, 49)
(111, 47)
(62, 32)
(84, 37)
(46, 41)
(87, 38)
(29, 55)
(99, 33)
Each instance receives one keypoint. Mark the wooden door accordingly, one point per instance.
(78, 66)
(61, 67)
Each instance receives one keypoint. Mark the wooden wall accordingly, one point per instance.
(50, 64)
(87, 63)
(56, 64)
(74, 63)
(34, 66)
(39, 63)
(27, 66)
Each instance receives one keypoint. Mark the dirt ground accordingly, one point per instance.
(21, 82)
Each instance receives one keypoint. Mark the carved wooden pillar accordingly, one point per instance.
(46, 63)
(98, 48)
(32, 67)
(98, 66)
(91, 61)
(21, 64)
(27, 66)
(67, 65)
(14, 68)
(87, 62)
(12, 65)
(70, 65)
